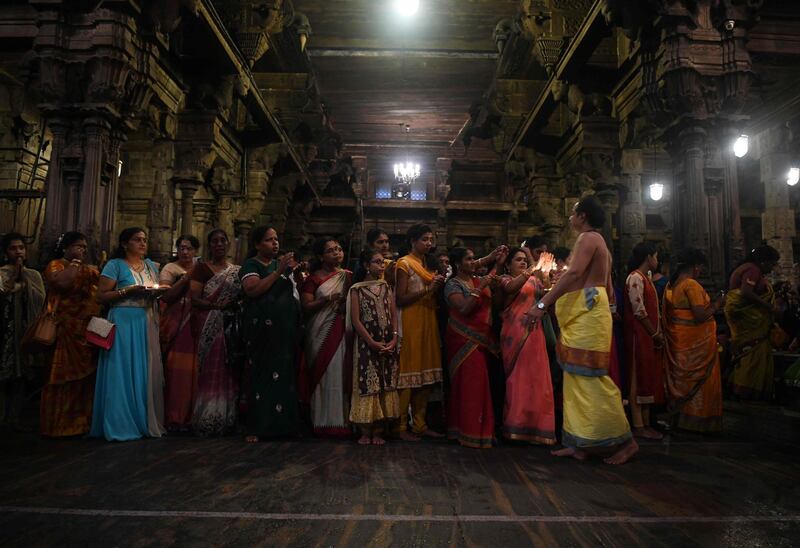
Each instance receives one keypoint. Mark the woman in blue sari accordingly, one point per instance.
(129, 395)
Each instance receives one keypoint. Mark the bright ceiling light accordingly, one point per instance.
(656, 191)
(741, 146)
(406, 7)
(794, 176)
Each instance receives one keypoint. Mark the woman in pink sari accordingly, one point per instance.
(177, 339)
(326, 349)
(529, 410)
(216, 290)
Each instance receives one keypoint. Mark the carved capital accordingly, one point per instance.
(252, 22)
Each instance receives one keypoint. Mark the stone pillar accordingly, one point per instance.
(777, 221)
(159, 215)
(57, 199)
(188, 188)
(732, 219)
(242, 229)
(689, 202)
(713, 181)
(632, 224)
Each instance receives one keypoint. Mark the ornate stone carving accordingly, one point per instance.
(252, 22)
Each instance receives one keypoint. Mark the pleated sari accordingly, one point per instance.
(528, 414)
(469, 342)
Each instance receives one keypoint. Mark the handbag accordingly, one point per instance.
(100, 332)
(42, 331)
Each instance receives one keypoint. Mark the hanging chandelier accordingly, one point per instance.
(406, 172)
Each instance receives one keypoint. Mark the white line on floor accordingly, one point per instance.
(465, 518)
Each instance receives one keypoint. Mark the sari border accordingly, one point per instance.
(418, 379)
(582, 370)
(469, 441)
(461, 356)
(583, 358)
(465, 331)
(532, 435)
(577, 442)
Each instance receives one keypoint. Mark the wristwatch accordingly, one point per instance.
(540, 305)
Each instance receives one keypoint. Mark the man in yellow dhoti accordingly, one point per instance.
(594, 420)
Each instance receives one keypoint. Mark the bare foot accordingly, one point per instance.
(408, 436)
(624, 454)
(251, 439)
(569, 452)
(364, 440)
(432, 434)
(377, 440)
(647, 433)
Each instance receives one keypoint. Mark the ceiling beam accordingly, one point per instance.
(412, 53)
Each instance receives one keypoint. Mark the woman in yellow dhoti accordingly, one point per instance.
(420, 352)
(749, 312)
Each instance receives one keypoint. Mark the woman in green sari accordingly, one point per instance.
(269, 325)
(750, 313)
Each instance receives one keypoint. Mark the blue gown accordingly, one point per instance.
(129, 397)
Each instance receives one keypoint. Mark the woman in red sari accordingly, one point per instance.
(323, 297)
(529, 413)
(66, 406)
(469, 342)
(643, 340)
(177, 340)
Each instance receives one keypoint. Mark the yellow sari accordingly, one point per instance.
(420, 352)
(750, 324)
(593, 413)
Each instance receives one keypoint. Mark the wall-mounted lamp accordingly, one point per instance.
(656, 191)
(793, 177)
(741, 145)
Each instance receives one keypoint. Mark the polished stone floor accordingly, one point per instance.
(180, 490)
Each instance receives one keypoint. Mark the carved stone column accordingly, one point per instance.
(714, 177)
(689, 202)
(732, 220)
(777, 221)
(159, 215)
(188, 188)
(57, 199)
(242, 230)
(97, 191)
(631, 212)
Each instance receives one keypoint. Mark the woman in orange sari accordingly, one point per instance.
(323, 297)
(469, 341)
(690, 334)
(176, 334)
(529, 413)
(66, 404)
